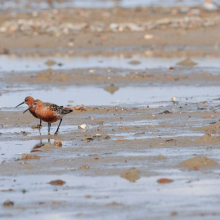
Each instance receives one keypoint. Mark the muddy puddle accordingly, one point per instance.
(14, 63)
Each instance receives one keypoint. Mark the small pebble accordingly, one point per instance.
(83, 126)
(8, 203)
(58, 143)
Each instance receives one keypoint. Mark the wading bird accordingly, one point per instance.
(49, 112)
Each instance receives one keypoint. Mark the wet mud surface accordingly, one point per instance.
(143, 138)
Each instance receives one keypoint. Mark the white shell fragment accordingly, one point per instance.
(83, 126)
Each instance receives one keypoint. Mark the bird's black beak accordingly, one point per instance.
(28, 109)
(20, 104)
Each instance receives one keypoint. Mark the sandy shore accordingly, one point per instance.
(151, 144)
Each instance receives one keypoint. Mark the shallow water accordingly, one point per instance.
(14, 149)
(112, 196)
(125, 96)
(7, 130)
(14, 63)
(132, 135)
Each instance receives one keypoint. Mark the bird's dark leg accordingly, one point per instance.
(58, 126)
(49, 128)
(40, 125)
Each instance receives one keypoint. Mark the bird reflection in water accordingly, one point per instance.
(37, 146)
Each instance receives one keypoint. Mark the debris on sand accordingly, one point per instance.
(165, 112)
(187, 62)
(124, 127)
(164, 181)
(169, 140)
(148, 36)
(134, 62)
(120, 139)
(36, 126)
(83, 126)
(8, 203)
(29, 157)
(35, 150)
(111, 88)
(107, 137)
(25, 133)
(113, 204)
(58, 143)
(84, 167)
(87, 139)
(207, 138)
(50, 62)
(161, 157)
(215, 126)
(7, 190)
(54, 27)
(196, 168)
(79, 107)
(199, 161)
(97, 136)
(201, 109)
(207, 116)
(57, 182)
(131, 175)
(4, 51)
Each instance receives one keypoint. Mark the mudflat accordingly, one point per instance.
(143, 138)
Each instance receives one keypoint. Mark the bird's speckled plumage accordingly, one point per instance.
(46, 106)
(50, 113)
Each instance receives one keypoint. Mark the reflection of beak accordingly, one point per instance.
(20, 104)
(28, 109)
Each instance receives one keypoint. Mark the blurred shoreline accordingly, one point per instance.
(163, 32)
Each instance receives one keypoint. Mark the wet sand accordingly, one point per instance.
(151, 144)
